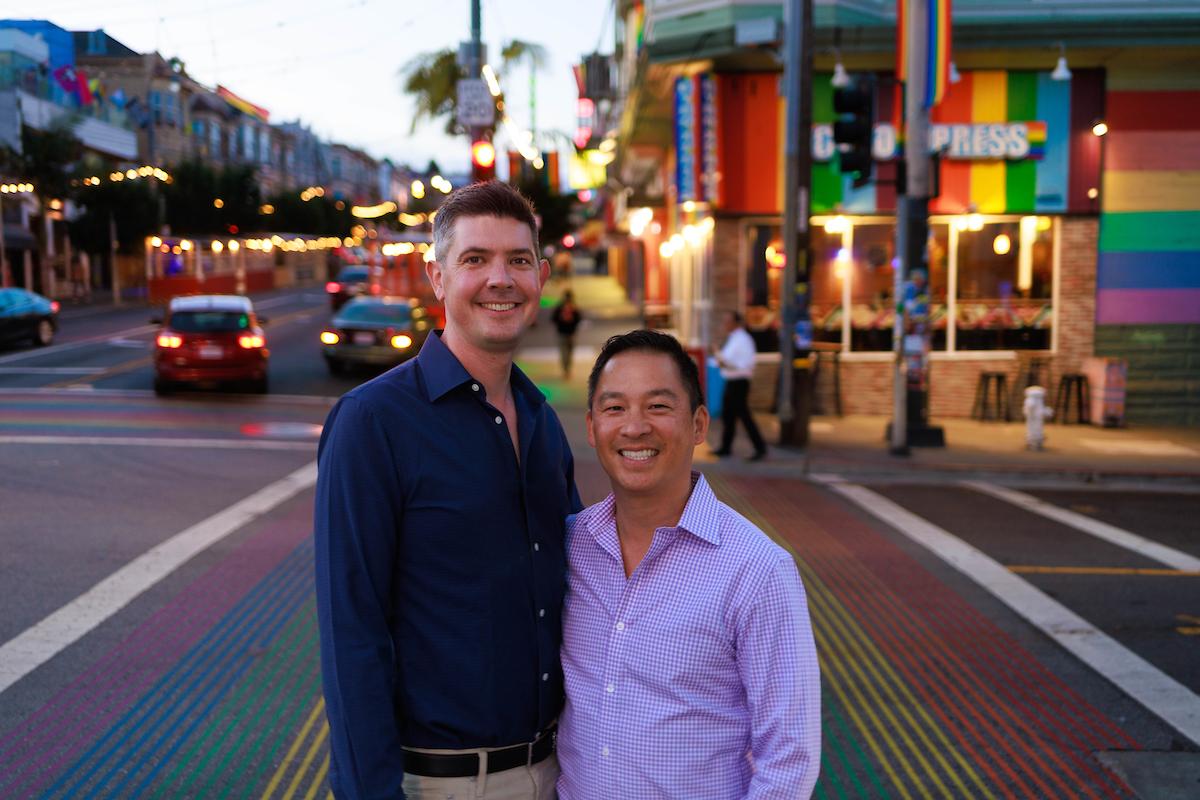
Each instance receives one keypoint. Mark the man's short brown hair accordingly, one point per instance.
(484, 199)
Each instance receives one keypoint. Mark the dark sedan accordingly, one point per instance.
(353, 281)
(375, 331)
(27, 316)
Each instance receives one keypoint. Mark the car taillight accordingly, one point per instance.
(250, 342)
(401, 341)
(54, 306)
(332, 287)
(169, 341)
(329, 337)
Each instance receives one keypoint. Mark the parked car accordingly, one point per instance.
(379, 331)
(210, 339)
(27, 316)
(353, 281)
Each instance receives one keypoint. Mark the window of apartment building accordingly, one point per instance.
(990, 281)
(214, 140)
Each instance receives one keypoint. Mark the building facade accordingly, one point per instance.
(1049, 245)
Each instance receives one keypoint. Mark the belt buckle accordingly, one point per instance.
(529, 754)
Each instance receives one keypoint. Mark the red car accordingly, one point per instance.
(210, 339)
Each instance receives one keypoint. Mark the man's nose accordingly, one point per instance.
(498, 274)
(635, 424)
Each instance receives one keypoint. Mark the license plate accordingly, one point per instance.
(211, 351)
(364, 338)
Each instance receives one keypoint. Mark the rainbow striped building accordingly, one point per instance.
(1067, 210)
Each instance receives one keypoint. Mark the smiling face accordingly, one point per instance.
(490, 282)
(642, 425)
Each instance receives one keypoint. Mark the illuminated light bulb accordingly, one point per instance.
(1001, 245)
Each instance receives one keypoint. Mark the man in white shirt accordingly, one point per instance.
(736, 360)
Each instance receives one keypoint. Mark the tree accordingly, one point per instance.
(130, 205)
(554, 209)
(194, 190)
(520, 52)
(432, 80)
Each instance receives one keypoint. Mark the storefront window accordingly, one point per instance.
(826, 305)
(871, 274)
(1004, 286)
(990, 282)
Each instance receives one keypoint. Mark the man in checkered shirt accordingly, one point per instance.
(687, 651)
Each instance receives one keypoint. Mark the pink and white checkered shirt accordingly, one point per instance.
(697, 676)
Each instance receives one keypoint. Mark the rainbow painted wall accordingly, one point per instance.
(1062, 165)
(1149, 261)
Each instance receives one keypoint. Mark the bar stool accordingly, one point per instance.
(991, 398)
(1072, 385)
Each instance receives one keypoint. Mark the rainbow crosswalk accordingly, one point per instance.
(216, 694)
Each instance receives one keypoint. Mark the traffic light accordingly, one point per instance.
(483, 160)
(853, 127)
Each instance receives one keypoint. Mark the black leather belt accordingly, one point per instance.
(466, 765)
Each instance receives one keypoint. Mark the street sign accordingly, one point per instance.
(476, 106)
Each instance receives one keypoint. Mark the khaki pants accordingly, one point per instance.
(519, 783)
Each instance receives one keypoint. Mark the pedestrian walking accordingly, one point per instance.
(566, 322)
(442, 494)
(687, 643)
(736, 361)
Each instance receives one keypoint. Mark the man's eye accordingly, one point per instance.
(612, 408)
(521, 260)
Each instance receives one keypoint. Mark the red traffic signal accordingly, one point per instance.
(483, 160)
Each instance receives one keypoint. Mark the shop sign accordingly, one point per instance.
(685, 139)
(709, 173)
(1012, 141)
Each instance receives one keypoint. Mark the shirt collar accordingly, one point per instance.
(443, 372)
(700, 514)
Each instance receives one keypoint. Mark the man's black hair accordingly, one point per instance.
(652, 342)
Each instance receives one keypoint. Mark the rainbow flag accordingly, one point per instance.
(937, 62)
(937, 65)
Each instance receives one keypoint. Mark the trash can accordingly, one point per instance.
(1106, 383)
(714, 389)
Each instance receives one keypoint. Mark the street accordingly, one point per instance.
(158, 635)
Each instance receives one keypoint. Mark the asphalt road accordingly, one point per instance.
(157, 630)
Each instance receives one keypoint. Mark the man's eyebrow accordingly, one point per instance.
(610, 395)
(524, 251)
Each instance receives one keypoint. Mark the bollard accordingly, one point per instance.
(1036, 414)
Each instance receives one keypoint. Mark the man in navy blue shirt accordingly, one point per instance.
(443, 489)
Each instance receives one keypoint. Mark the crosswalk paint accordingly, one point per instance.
(1175, 559)
(1162, 695)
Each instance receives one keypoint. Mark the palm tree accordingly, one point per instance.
(520, 52)
(432, 80)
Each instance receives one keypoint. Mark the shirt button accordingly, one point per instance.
(620, 626)
(474, 387)
(545, 676)
(610, 688)
(536, 547)
(499, 419)
(604, 752)
(541, 612)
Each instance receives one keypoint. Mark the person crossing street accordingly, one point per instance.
(736, 360)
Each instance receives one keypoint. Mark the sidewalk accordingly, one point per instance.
(855, 445)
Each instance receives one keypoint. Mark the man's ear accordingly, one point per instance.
(543, 272)
(701, 421)
(433, 270)
(591, 436)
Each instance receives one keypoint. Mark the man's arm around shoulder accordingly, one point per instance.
(357, 514)
(777, 660)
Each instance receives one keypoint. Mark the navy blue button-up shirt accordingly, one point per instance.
(440, 568)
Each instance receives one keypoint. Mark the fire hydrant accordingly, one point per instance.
(1036, 415)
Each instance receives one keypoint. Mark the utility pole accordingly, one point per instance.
(910, 399)
(795, 330)
(475, 62)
